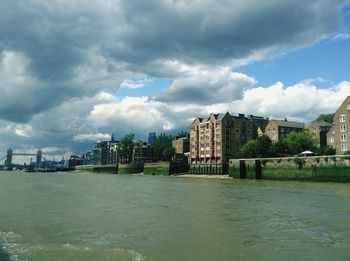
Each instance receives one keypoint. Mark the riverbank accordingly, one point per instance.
(202, 176)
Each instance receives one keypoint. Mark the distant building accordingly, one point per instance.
(319, 131)
(181, 145)
(143, 152)
(103, 152)
(152, 138)
(76, 161)
(213, 141)
(279, 129)
(338, 136)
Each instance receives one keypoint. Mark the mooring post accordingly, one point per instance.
(258, 169)
(242, 169)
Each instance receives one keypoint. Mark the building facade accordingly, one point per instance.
(213, 141)
(338, 136)
(319, 131)
(143, 152)
(279, 129)
(181, 145)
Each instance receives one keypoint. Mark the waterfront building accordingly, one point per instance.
(213, 141)
(152, 138)
(319, 131)
(103, 152)
(338, 136)
(143, 152)
(181, 145)
(279, 129)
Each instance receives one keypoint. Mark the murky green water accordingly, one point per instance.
(66, 216)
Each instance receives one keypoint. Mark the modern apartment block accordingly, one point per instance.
(319, 131)
(338, 136)
(278, 129)
(213, 141)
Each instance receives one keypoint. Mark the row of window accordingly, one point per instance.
(343, 137)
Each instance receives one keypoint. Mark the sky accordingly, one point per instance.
(73, 71)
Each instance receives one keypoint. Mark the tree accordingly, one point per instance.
(326, 117)
(257, 148)
(300, 141)
(250, 149)
(279, 148)
(326, 150)
(163, 147)
(125, 148)
(182, 134)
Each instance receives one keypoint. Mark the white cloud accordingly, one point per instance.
(205, 85)
(303, 101)
(341, 36)
(92, 137)
(135, 83)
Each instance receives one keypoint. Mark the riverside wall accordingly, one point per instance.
(318, 168)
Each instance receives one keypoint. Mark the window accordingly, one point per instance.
(343, 137)
(333, 131)
(348, 107)
(342, 127)
(331, 140)
(342, 118)
(344, 147)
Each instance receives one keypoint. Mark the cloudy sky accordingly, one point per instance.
(72, 71)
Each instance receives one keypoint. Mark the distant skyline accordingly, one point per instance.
(73, 71)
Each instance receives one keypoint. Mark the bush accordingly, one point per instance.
(300, 162)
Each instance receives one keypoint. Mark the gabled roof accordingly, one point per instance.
(346, 101)
(289, 124)
(318, 123)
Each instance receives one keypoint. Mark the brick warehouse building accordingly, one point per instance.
(213, 141)
(338, 136)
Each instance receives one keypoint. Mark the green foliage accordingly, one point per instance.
(298, 142)
(279, 148)
(326, 117)
(125, 148)
(182, 134)
(250, 149)
(163, 147)
(326, 150)
(300, 162)
(257, 148)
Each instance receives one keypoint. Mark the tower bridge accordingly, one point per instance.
(10, 153)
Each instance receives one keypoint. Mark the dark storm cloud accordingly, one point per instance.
(55, 56)
(217, 31)
(57, 37)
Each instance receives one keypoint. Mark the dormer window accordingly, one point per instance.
(348, 107)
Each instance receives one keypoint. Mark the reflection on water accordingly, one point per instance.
(4, 256)
(65, 216)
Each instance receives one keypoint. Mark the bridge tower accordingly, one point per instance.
(38, 158)
(9, 159)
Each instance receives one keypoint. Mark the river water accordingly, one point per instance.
(84, 216)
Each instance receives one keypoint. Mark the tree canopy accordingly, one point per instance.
(182, 134)
(163, 147)
(325, 117)
(298, 142)
(257, 148)
(294, 143)
(125, 148)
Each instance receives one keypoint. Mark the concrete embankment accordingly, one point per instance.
(157, 168)
(112, 169)
(318, 168)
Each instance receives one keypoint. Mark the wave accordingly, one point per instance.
(12, 248)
